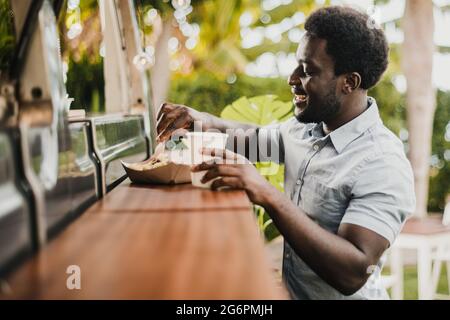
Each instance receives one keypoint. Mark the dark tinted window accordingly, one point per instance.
(81, 47)
(7, 36)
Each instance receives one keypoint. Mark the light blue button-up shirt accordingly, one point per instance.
(357, 174)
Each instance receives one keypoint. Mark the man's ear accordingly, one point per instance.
(352, 81)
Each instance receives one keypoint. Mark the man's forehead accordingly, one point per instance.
(300, 54)
(311, 49)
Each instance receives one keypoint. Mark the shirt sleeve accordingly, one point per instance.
(270, 143)
(382, 196)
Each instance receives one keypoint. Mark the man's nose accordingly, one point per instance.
(294, 79)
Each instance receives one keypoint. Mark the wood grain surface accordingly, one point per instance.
(207, 247)
(178, 198)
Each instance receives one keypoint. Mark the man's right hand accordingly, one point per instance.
(173, 117)
(176, 119)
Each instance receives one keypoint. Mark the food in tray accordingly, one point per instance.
(171, 162)
(162, 155)
(168, 165)
(152, 163)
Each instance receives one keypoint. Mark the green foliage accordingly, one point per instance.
(85, 83)
(208, 92)
(219, 51)
(7, 36)
(85, 78)
(410, 282)
(440, 174)
(262, 110)
(391, 104)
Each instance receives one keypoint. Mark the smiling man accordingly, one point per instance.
(348, 185)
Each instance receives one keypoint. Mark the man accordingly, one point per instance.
(348, 185)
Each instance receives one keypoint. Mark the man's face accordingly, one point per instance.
(314, 83)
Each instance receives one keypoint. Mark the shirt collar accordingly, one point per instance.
(345, 134)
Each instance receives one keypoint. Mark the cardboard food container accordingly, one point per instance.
(176, 170)
(177, 162)
(171, 173)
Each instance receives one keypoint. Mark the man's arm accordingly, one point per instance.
(342, 260)
(382, 199)
(173, 117)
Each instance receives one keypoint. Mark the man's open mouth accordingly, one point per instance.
(300, 98)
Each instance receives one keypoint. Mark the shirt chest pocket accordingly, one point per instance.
(324, 204)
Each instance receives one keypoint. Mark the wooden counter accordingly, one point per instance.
(149, 242)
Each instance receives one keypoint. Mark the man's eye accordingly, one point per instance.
(306, 73)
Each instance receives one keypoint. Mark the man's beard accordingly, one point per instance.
(323, 111)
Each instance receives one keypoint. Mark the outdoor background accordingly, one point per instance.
(212, 54)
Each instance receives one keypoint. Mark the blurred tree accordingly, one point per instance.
(417, 65)
(440, 170)
(160, 29)
(219, 51)
(208, 92)
(157, 20)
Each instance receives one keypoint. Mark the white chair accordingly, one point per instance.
(446, 217)
(425, 236)
(441, 256)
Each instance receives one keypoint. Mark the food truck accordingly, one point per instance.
(66, 205)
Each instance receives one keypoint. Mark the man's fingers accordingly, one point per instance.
(168, 120)
(179, 118)
(227, 182)
(164, 109)
(165, 120)
(228, 156)
(207, 165)
(176, 128)
(221, 153)
(219, 171)
(167, 114)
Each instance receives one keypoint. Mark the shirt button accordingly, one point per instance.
(316, 147)
(298, 182)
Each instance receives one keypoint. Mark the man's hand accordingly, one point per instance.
(176, 119)
(173, 117)
(342, 259)
(236, 172)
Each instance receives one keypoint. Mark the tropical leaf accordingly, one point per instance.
(262, 110)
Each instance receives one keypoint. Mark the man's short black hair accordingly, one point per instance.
(353, 41)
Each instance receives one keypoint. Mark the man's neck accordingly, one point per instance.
(350, 109)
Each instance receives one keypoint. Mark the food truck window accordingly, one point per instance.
(7, 37)
(82, 54)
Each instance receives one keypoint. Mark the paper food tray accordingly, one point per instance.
(171, 173)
